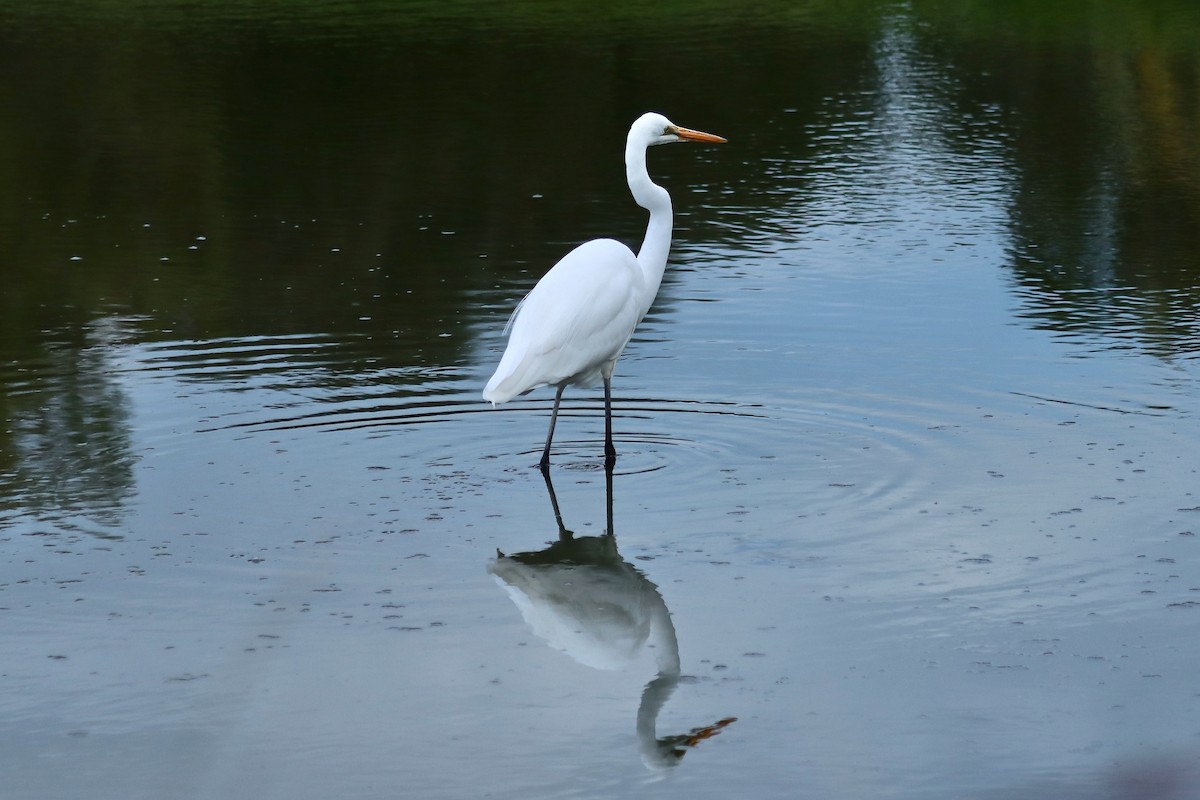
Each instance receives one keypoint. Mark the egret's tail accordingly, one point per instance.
(516, 375)
(498, 390)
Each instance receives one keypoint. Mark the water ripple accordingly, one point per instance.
(828, 445)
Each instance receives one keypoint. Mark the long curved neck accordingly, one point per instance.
(652, 257)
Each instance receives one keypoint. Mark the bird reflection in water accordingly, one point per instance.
(583, 599)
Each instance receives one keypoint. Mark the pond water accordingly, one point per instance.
(907, 499)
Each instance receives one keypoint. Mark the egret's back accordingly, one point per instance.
(573, 325)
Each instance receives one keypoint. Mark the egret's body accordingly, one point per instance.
(571, 328)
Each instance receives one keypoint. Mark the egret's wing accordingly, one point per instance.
(513, 316)
(578, 318)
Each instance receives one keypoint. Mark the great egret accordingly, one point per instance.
(572, 326)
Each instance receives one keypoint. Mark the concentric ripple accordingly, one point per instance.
(320, 397)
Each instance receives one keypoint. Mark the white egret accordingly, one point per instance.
(572, 326)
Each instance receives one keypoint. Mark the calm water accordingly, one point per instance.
(907, 485)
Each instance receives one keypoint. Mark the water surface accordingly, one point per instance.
(906, 500)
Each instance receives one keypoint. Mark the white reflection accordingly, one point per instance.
(584, 600)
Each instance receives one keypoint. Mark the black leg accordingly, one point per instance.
(610, 452)
(545, 463)
(563, 534)
(608, 504)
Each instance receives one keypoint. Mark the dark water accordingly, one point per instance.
(908, 448)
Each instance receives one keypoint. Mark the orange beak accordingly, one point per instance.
(689, 135)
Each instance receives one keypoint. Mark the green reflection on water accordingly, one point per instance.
(239, 178)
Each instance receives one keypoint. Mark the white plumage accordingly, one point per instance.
(571, 328)
(551, 343)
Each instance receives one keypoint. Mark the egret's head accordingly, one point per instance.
(653, 129)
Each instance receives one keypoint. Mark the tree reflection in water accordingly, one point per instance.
(66, 462)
